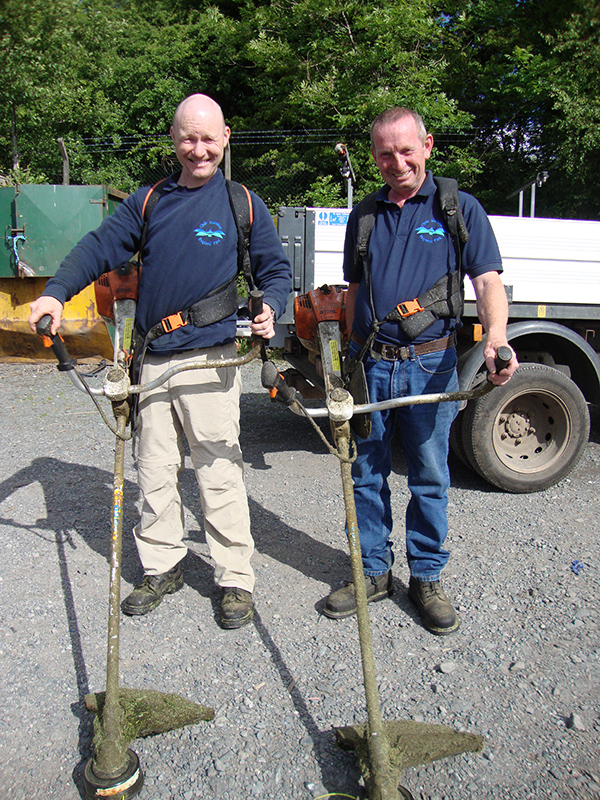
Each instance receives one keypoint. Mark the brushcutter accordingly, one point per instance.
(122, 714)
(383, 749)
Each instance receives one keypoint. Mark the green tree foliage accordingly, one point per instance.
(508, 87)
(512, 64)
(335, 66)
(574, 84)
(52, 63)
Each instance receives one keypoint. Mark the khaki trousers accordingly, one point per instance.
(205, 405)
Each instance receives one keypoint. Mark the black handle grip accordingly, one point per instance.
(256, 303)
(503, 357)
(275, 382)
(43, 326)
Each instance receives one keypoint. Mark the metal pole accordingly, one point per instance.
(227, 162)
(65, 160)
(383, 777)
(521, 203)
(111, 759)
(532, 206)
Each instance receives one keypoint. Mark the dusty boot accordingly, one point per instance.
(342, 603)
(237, 608)
(148, 595)
(436, 611)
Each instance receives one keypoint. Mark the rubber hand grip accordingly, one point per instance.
(503, 357)
(256, 303)
(43, 327)
(275, 382)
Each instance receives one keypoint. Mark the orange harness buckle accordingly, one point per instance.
(409, 308)
(173, 322)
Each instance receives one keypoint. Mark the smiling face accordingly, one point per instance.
(400, 152)
(200, 137)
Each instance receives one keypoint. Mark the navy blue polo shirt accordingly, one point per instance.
(410, 249)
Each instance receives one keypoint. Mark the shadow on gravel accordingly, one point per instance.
(77, 498)
(333, 762)
(273, 537)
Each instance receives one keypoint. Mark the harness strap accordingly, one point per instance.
(219, 304)
(443, 299)
(243, 213)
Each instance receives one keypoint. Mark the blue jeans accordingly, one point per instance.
(425, 431)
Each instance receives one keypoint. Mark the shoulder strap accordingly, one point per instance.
(241, 206)
(366, 211)
(455, 222)
(150, 201)
(452, 213)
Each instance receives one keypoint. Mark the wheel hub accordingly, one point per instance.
(517, 425)
(531, 431)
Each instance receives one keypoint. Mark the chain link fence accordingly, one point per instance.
(283, 167)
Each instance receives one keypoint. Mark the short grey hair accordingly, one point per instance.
(394, 115)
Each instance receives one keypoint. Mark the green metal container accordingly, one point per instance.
(42, 223)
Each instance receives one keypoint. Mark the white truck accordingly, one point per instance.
(529, 434)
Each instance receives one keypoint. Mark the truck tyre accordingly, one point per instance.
(456, 440)
(527, 435)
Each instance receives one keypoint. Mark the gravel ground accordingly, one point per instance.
(523, 671)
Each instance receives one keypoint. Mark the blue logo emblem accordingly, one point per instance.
(210, 233)
(431, 231)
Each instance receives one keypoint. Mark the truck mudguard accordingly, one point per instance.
(557, 340)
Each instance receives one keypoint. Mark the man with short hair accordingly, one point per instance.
(190, 253)
(409, 252)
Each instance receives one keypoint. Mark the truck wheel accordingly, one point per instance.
(456, 440)
(527, 435)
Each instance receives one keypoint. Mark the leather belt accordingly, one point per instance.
(393, 352)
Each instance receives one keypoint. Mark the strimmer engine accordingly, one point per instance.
(320, 319)
(116, 296)
(325, 304)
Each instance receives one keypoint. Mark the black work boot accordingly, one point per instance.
(436, 611)
(147, 596)
(342, 603)
(237, 607)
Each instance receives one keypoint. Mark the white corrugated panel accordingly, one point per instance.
(545, 260)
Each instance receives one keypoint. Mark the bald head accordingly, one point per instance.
(197, 105)
(200, 136)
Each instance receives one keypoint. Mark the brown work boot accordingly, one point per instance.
(342, 603)
(148, 595)
(436, 611)
(237, 608)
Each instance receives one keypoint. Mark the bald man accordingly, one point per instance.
(182, 266)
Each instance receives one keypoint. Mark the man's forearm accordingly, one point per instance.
(492, 305)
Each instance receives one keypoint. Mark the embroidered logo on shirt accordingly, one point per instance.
(209, 233)
(430, 231)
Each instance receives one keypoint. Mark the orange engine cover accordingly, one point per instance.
(115, 285)
(325, 304)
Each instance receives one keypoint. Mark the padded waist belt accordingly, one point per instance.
(214, 307)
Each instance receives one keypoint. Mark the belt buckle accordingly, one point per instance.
(388, 352)
(409, 307)
(173, 322)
